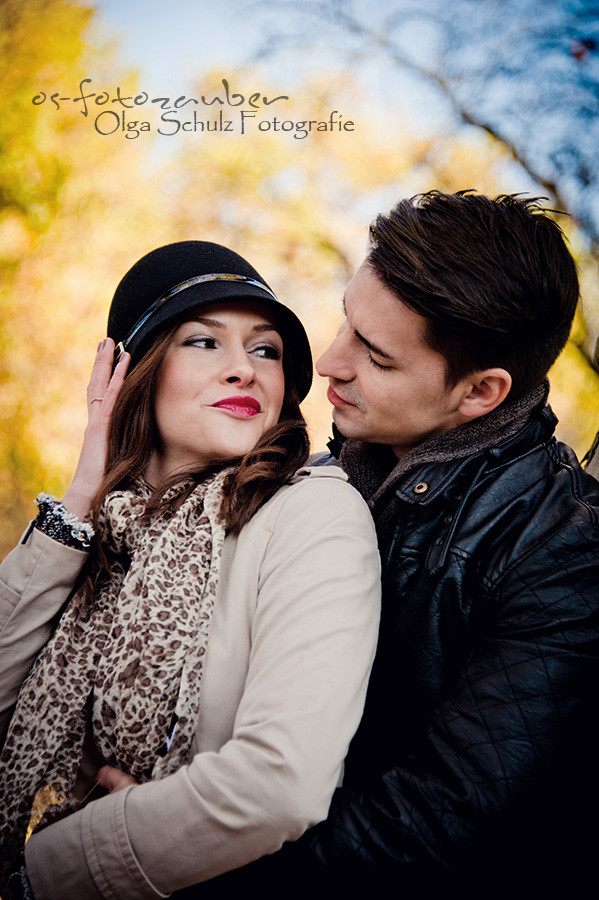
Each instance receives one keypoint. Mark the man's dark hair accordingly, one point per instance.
(493, 278)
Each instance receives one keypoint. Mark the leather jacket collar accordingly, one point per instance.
(420, 475)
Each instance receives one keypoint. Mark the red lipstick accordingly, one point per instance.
(243, 407)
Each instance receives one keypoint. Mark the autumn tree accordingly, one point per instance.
(72, 215)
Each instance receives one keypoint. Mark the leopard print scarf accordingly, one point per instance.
(131, 660)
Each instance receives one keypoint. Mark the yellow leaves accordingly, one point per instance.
(14, 238)
(39, 43)
(40, 40)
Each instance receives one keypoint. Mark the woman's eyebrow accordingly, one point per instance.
(266, 326)
(204, 320)
(216, 323)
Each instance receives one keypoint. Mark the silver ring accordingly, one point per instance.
(94, 400)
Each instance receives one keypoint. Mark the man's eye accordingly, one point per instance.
(376, 364)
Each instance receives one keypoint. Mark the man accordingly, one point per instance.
(475, 754)
(474, 765)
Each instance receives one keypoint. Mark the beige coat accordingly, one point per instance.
(290, 648)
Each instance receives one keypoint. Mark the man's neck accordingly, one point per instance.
(373, 467)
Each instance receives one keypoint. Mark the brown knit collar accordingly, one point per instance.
(374, 468)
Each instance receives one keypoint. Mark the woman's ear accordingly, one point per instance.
(484, 392)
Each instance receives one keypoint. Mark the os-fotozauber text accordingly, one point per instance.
(225, 98)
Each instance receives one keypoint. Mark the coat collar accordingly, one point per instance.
(420, 475)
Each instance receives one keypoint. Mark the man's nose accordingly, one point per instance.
(335, 362)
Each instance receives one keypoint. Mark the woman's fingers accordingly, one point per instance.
(115, 383)
(113, 779)
(101, 372)
(102, 391)
(104, 385)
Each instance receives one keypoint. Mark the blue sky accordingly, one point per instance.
(171, 43)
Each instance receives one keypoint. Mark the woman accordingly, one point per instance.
(209, 669)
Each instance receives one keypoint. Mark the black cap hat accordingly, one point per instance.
(177, 278)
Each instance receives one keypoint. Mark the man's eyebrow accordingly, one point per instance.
(374, 348)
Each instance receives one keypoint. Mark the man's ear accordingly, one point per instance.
(484, 391)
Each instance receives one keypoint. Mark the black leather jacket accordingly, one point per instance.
(475, 765)
(478, 740)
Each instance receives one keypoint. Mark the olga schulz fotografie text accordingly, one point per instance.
(110, 122)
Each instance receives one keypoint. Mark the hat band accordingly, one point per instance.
(183, 285)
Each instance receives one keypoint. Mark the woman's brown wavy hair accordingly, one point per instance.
(256, 477)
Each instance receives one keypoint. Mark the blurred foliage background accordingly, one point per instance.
(78, 208)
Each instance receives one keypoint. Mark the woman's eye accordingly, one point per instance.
(267, 351)
(204, 343)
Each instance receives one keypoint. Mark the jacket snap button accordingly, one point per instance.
(421, 487)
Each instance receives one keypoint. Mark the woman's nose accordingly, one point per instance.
(239, 368)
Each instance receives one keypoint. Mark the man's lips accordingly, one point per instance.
(336, 400)
(244, 407)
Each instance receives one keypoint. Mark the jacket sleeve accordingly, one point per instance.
(36, 579)
(501, 746)
(313, 638)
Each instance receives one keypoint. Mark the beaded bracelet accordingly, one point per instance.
(57, 522)
(19, 886)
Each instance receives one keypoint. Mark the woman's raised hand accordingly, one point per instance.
(102, 391)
